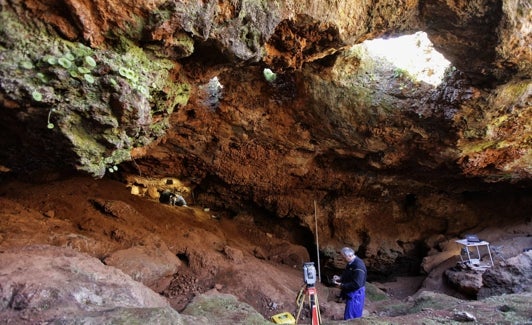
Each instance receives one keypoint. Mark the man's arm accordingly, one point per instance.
(357, 282)
(355, 277)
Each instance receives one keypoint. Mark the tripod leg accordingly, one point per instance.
(315, 315)
(299, 313)
(300, 301)
(314, 307)
(318, 309)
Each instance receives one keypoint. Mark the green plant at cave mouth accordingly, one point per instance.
(36, 95)
(88, 78)
(50, 125)
(90, 61)
(269, 75)
(64, 62)
(26, 65)
(402, 74)
(79, 81)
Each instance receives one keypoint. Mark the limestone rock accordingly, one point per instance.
(234, 254)
(146, 264)
(464, 316)
(511, 276)
(53, 283)
(224, 309)
(467, 282)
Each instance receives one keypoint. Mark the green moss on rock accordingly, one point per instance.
(375, 294)
(224, 309)
(103, 99)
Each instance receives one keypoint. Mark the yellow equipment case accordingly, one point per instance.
(284, 318)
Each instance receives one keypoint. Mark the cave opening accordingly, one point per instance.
(213, 93)
(413, 54)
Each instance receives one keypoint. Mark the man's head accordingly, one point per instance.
(348, 254)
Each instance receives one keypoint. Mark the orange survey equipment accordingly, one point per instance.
(312, 294)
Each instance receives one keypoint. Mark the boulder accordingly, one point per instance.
(512, 276)
(467, 282)
(55, 284)
(224, 309)
(146, 264)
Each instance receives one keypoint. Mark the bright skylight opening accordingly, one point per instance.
(214, 90)
(413, 53)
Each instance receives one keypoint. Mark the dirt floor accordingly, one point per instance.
(102, 217)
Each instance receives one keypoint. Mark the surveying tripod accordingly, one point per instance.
(312, 293)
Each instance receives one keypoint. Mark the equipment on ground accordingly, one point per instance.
(309, 290)
(471, 259)
(284, 319)
(472, 238)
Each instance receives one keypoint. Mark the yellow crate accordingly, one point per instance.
(284, 318)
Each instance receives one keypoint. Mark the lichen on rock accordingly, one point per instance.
(104, 101)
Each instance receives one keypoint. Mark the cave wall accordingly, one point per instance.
(179, 87)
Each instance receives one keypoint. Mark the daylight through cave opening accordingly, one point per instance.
(414, 54)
